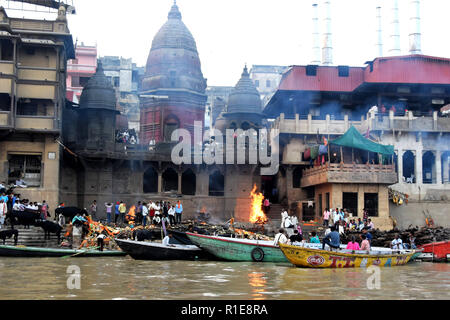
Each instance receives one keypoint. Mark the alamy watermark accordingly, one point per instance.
(258, 147)
(74, 278)
(374, 280)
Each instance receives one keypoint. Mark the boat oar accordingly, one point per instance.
(78, 253)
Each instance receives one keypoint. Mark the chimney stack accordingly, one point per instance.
(327, 50)
(395, 31)
(414, 34)
(316, 37)
(379, 43)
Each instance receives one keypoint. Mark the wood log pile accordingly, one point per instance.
(423, 236)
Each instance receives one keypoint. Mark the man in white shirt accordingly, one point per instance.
(144, 214)
(280, 238)
(3, 212)
(157, 208)
(397, 243)
(166, 240)
(284, 216)
(171, 213)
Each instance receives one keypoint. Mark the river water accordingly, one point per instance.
(125, 278)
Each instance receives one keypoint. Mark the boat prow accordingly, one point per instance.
(33, 252)
(317, 258)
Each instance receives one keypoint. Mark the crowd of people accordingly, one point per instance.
(127, 136)
(145, 213)
(337, 223)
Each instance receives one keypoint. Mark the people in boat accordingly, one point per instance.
(167, 239)
(397, 243)
(365, 244)
(314, 238)
(367, 234)
(280, 237)
(296, 237)
(353, 245)
(333, 239)
(411, 242)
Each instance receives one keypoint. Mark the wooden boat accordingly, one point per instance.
(233, 249)
(141, 250)
(11, 251)
(435, 252)
(316, 258)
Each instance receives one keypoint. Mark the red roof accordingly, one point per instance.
(327, 79)
(414, 69)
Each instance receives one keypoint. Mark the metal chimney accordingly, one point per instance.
(395, 30)
(316, 35)
(327, 50)
(379, 43)
(414, 33)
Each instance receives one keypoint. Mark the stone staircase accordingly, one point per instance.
(34, 237)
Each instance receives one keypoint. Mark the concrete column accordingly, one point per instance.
(180, 175)
(419, 167)
(297, 122)
(159, 182)
(438, 167)
(360, 202)
(446, 176)
(346, 122)
(400, 165)
(391, 119)
(327, 119)
(309, 122)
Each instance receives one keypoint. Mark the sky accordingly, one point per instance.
(230, 33)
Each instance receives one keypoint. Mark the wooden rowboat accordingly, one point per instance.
(10, 251)
(233, 249)
(342, 258)
(157, 251)
(435, 252)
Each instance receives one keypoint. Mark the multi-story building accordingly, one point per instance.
(125, 77)
(267, 79)
(33, 66)
(80, 70)
(404, 95)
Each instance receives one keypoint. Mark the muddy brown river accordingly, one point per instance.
(125, 278)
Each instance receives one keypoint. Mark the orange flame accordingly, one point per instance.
(131, 215)
(256, 214)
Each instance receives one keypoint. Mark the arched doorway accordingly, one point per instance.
(150, 181)
(171, 123)
(188, 183)
(409, 164)
(296, 177)
(429, 168)
(170, 180)
(216, 184)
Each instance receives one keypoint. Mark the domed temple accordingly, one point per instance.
(173, 88)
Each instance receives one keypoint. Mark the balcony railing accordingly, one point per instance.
(349, 173)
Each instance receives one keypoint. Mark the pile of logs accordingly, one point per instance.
(383, 238)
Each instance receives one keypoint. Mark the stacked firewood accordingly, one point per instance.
(423, 236)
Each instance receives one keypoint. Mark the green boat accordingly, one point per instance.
(11, 251)
(233, 249)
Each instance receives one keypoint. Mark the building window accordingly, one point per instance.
(343, 71)
(371, 204)
(216, 184)
(25, 170)
(257, 83)
(311, 71)
(297, 177)
(6, 50)
(350, 202)
(116, 82)
(268, 83)
(83, 81)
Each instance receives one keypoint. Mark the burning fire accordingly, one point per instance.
(256, 214)
(131, 215)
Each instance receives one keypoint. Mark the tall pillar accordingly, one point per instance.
(419, 167)
(400, 165)
(180, 175)
(438, 167)
(446, 175)
(159, 182)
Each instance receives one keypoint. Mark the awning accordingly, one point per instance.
(353, 139)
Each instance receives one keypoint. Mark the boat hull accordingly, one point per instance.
(156, 251)
(436, 252)
(31, 252)
(238, 250)
(315, 258)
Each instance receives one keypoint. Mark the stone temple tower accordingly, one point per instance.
(173, 88)
(97, 114)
